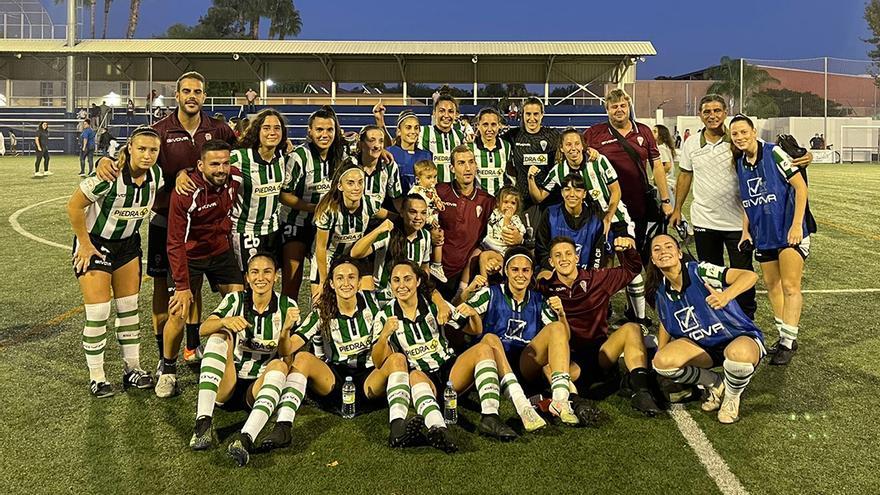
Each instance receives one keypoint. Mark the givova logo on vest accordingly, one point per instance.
(690, 325)
(758, 193)
(130, 213)
(515, 330)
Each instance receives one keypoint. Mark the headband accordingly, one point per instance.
(518, 255)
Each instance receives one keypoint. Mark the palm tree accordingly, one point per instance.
(107, 4)
(133, 15)
(285, 19)
(91, 5)
(726, 75)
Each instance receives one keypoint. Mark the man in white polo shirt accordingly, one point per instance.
(716, 212)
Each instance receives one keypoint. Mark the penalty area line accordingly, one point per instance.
(715, 465)
(13, 221)
(833, 291)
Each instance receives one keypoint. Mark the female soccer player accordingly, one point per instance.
(405, 149)
(310, 169)
(261, 159)
(381, 180)
(247, 335)
(341, 329)
(774, 196)
(106, 218)
(406, 238)
(702, 326)
(490, 152)
(410, 325)
(532, 329)
(341, 218)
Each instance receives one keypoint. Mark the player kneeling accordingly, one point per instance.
(106, 217)
(247, 335)
(703, 326)
(341, 328)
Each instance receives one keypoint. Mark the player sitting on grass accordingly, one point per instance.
(702, 326)
(341, 329)
(247, 335)
(106, 217)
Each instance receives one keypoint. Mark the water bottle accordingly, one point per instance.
(348, 395)
(450, 404)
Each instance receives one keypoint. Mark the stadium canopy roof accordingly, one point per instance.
(554, 62)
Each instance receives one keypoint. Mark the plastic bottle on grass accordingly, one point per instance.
(450, 404)
(348, 398)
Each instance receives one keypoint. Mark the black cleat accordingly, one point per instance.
(240, 449)
(279, 438)
(137, 378)
(643, 401)
(492, 426)
(440, 438)
(101, 390)
(407, 432)
(587, 413)
(782, 355)
(204, 436)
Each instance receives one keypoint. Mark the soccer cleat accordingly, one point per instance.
(48, 173)
(714, 396)
(437, 272)
(783, 354)
(82, 174)
(193, 355)
(204, 437)
(167, 386)
(38, 174)
(407, 432)
(729, 412)
(492, 426)
(562, 409)
(587, 413)
(531, 420)
(101, 390)
(137, 378)
(279, 438)
(240, 449)
(441, 439)
(643, 401)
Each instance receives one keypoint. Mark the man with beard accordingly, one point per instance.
(199, 230)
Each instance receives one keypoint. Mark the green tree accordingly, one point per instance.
(726, 75)
(233, 19)
(134, 14)
(872, 16)
(796, 103)
(107, 4)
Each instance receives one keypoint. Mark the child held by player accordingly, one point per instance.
(426, 180)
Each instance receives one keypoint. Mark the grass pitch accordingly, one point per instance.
(807, 428)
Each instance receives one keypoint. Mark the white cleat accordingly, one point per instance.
(167, 386)
(531, 420)
(729, 412)
(713, 397)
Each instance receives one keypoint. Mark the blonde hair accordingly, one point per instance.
(616, 95)
(424, 166)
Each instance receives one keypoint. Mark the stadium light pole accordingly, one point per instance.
(71, 41)
(474, 59)
(742, 107)
(825, 123)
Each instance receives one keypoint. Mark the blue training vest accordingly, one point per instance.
(585, 238)
(768, 200)
(691, 317)
(515, 328)
(406, 165)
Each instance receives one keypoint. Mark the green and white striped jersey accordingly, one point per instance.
(598, 176)
(421, 340)
(418, 250)
(257, 344)
(441, 145)
(257, 206)
(353, 336)
(119, 207)
(345, 226)
(384, 182)
(308, 178)
(492, 165)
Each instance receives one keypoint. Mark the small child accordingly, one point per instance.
(505, 216)
(426, 180)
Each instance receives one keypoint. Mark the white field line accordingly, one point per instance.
(13, 221)
(718, 470)
(833, 291)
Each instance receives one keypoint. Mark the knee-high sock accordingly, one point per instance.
(128, 330)
(94, 339)
(691, 375)
(426, 405)
(291, 396)
(486, 379)
(211, 372)
(513, 390)
(635, 294)
(737, 376)
(192, 336)
(559, 383)
(397, 392)
(264, 403)
(787, 334)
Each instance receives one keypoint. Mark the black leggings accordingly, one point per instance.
(44, 155)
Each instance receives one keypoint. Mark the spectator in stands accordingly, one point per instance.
(13, 143)
(251, 97)
(677, 140)
(816, 142)
(87, 150)
(630, 147)
(41, 149)
(105, 113)
(129, 112)
(94, 112)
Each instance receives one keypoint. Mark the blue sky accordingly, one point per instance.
(687, 35)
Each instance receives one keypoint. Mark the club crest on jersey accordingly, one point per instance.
(479, 211)
(543, 144)
(208, 136)
(583, 285)
(640, 140)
